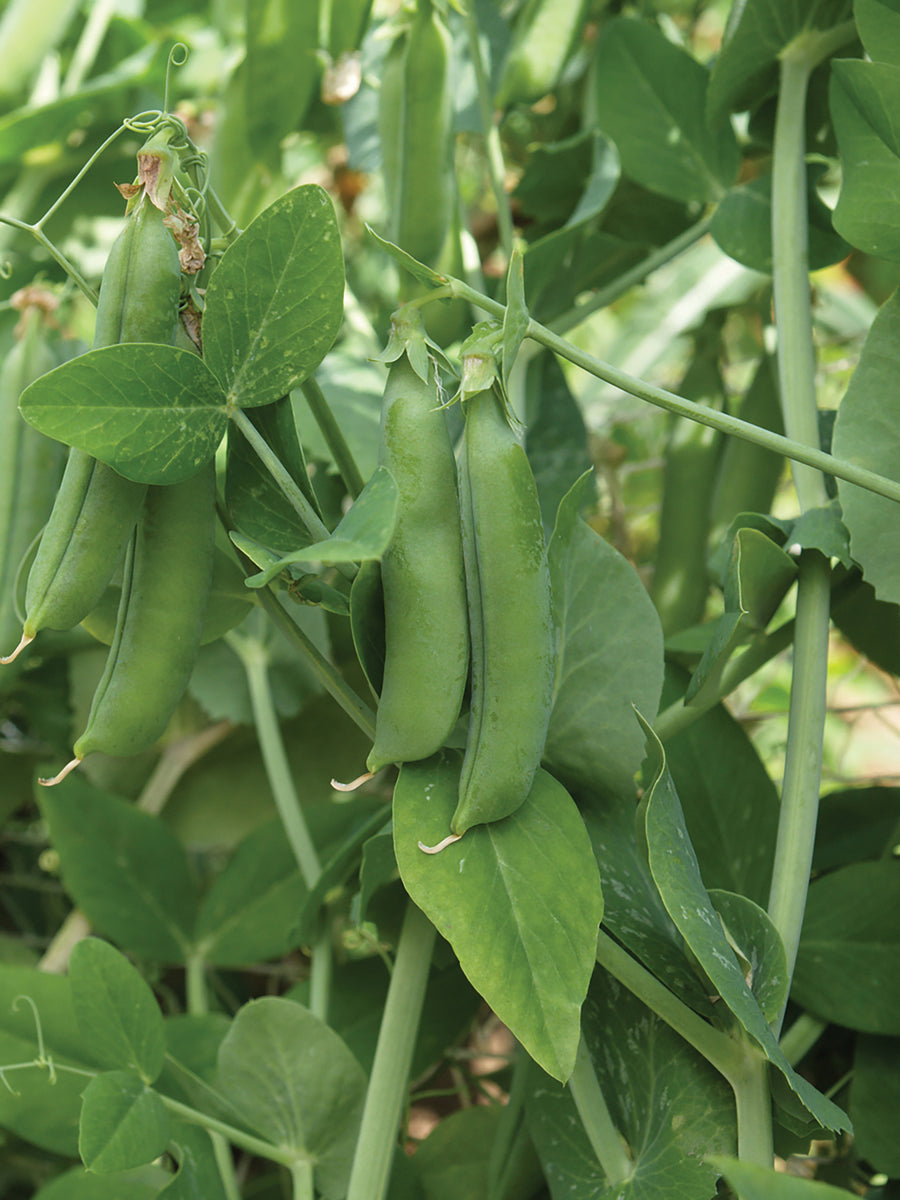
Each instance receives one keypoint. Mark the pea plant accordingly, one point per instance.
(464, 424)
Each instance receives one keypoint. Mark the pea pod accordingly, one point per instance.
(510, 617)
(426, 634)
(544, 37)
(96, 508)
(30, 464)
(168, 573)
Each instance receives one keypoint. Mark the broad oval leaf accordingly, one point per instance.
(650, 98)
(519, 900)
(878, 22)
(275, 302)
(116, 1010)
(752, 1182)
(867, 432)
(153, 413)
(291, 1078)
(848, 962)
(124, 1123)
(610, 656)
(863, 96)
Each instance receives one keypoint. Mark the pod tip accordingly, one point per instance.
(60, 776)
(25, 641)
(442, 845)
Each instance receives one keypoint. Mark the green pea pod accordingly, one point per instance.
(30, 464)
(422, 572)
(165, 589)
(544, 37)
(416, 126)
(510, 618)
(96, 508)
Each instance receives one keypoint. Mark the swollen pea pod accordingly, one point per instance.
(165, 590)
(96, 508)
(510, 617)
(544, 37)
(416, 116)
(422, 572)
(30, 464)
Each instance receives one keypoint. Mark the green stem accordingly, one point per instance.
(790, 280)
(495, 164)
(255, 658)
(70, 269)
(753, 1104)
(509, 1126)
(195, 985)
(803, 760)
(797, 1041)
(339, 690)
(724, 422)
(333, 435)
(597, 1122)
(321, 964)
(717, 1048)
(302, 1181)
(638, 273)
(197, 1004)
(312, 522)
(99, 16)
(393, 1057)
(237, 1137)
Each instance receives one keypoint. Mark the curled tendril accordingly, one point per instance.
(9, 1087)
(178, 56)
(43, 1058)
(145, 122)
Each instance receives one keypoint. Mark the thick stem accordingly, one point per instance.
(803, 760)
(256, 664)
(393, 1058)
(790, 280)
(597, 1122)
(753, 1103)
(797, 1041)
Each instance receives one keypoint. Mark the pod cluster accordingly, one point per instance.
(165, 534)
(465, 581)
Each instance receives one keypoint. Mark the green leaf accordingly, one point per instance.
(367, 622)
(124, 1123)
(154, 413)
(244, 917)
(875, 1102)
(515, 318)
(867, 432)
(870, 625)
(856, 824)
(610, 656)
(759, 576)
(426, 275)
(556, 438)
(742, 225)
(454, 1161)
(633, 911)
(116, 1010)
(751, 1182)
(746, 67)
(535, 874)
(848, 962)
(293, 1080)
(125, 869)
(677, 876)
(364, 533)
(758, 947)
(275, 301)
(143, 1183)
(729, 800)
(198, 1175)
(281, 70)
(862, 97)
(878, 22)
(650, 98)
(675, 1110)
